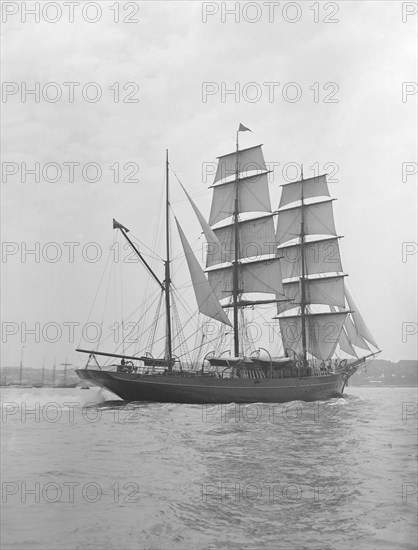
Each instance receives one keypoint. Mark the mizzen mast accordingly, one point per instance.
(302, 278)
(313, 276)
(167, 281)
(235, 276)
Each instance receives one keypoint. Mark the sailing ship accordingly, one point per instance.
(286, 261)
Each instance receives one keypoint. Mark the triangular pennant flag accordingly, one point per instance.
(243, 128)
(117, 225)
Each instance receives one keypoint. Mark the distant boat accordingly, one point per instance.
(252, 262)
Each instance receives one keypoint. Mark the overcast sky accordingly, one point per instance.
(349, 105)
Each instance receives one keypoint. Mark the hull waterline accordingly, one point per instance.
(203, 389)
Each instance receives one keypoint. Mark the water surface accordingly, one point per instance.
(82, 470)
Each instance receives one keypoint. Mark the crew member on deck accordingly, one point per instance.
(122, 364)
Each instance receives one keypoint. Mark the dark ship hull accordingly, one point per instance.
(197, 389)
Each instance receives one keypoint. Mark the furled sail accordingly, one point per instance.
(206, 300)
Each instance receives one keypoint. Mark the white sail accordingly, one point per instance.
(260, 276)
(321, 256)
(324, 290)
(207, 230)
(322, 333)
(312, 187)
(256, 238)
(258, 265)
(206, 300)
(344, 341)
(358, 320)
(253, 196)
(318, 217)
(249, 160)
(353, 335)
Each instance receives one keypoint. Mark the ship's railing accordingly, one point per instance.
(246, 369)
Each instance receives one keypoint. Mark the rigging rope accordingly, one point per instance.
(184, 352)
(95, 296)
(151, 338)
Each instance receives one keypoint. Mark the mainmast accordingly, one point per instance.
(235, 275)
(302, 279)
(167, 281)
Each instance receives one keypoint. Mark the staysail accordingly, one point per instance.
(206, 300)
